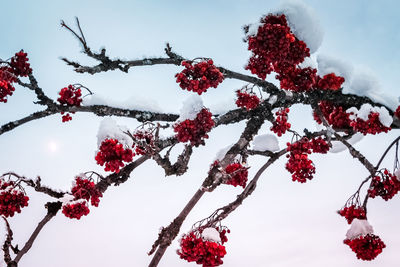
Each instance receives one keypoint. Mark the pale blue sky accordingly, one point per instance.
(282, 224)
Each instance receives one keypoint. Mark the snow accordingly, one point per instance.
(338, 146)
(66, 199)
(191, 107)
(309, 62)
(365, 83)
(222, 152)
(328, 64)
(132, 103)
(224, 106)
(366, 109)
(303, 22)
(272, 99)
(211, 234)
(266, 142)
(358, 228)
(109, 129)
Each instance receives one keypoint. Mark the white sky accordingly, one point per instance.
(282, 224)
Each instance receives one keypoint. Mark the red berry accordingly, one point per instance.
(366, 247)
(113, 154)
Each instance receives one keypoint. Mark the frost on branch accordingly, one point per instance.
(266, 142)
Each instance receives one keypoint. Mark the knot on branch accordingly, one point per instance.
(53, 207)
(166, 235)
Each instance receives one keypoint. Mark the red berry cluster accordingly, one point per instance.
(335, 115)
(207, 253)
(6, 83)
(299, 165)
(85, 188)
(330, 82)
(112, 154)
(319, 145)
(385, 185)
(144, 142)
(280, 125)
(353, 212)
(274, 47)
(19, 64)
(199, 77)
(12, 198)
(366, 247)
(297, 79)
(76, 209)
(70, 96)
(195, 130)
(397, 112)
(370, 126)
(238, 174)
(246, 100)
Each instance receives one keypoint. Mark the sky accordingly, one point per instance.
(281, 224)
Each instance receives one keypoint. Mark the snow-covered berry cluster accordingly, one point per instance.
(247, 100)
(330, 82)
(353, 212)
(12, 198)
(274, 47)
(70, 96)
(366, 247)
(281, 124)
(75, 209)
(199, 77)
(238, 174)
(385, 185)
(195, 130)
(371, 126)
(204, 246)
(19, 64)
(112, 154)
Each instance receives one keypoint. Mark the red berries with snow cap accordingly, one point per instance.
(366, 247)
(204, 246)
(112, 154)
(195, 131)
(200, 76)
(75, 209)
(12, 198)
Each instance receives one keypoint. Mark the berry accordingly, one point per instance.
(335, 115)
(199, 77)
(297, 79)
(86, 189)
(371, 126)
(238, 174)
(207, 253)
(6, 86)
(385, 185)
(75, 209)
(113, 154)
(353, 212)
(319, 145)
(246, 100)
(397, 112)
(70, 96)
(280, 125)
(330, 82)
(274, 47)
(298, 164)
(195, 130)
(19, 64)
(366, 247)
(12, 198)
(143, 142)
